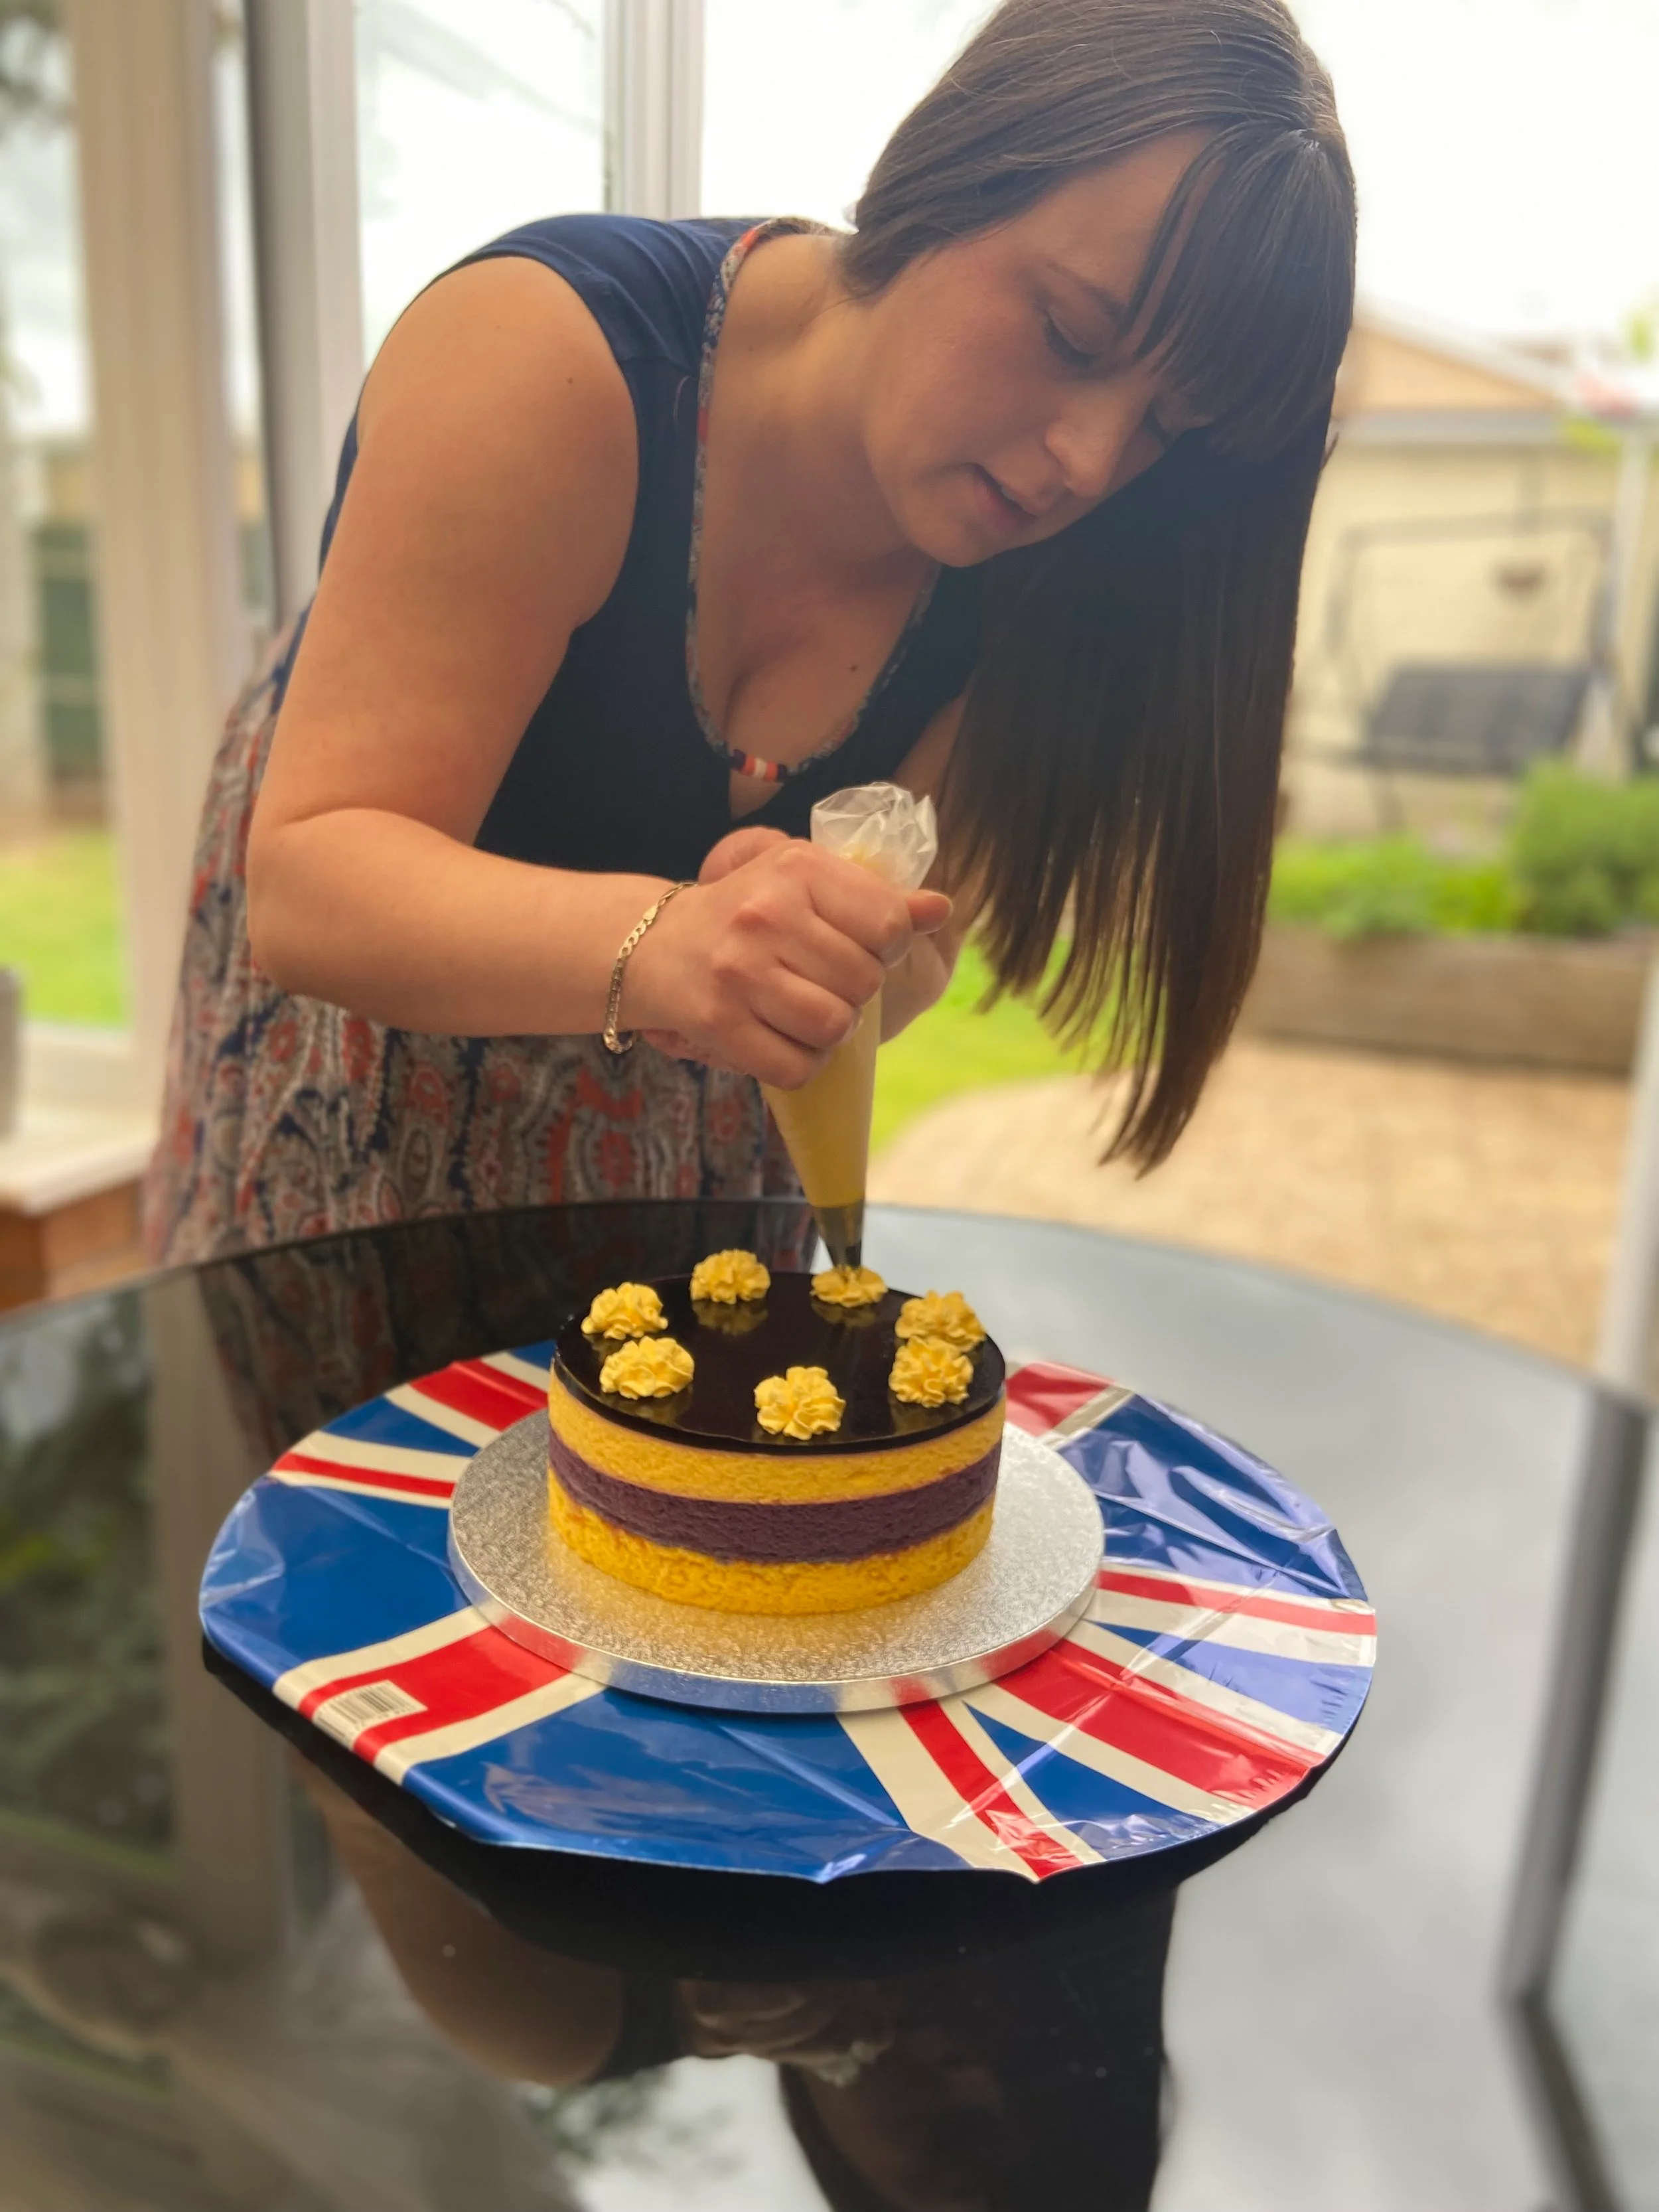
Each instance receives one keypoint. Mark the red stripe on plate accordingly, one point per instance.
(1164, 1731)
(1042, 1392)
(371, 1478)
(455, 1683)
(1257, 1604)
(531, 1395)
(982, 1792)
(1187, 1713)
(481, 1393)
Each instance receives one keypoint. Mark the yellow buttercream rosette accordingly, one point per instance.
(631, 1309)
(801, 1403)
(943, 1316)
(726, 1278)
(648, 1367)
(848, 1286)
(929, 1373)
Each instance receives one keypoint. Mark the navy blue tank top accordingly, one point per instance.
(613, 773)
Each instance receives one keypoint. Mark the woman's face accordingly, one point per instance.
(1003, 401)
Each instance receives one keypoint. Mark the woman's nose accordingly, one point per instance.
(1095, 440)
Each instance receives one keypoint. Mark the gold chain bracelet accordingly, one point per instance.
(621, 1041)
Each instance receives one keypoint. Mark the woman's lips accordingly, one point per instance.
(1000, 508)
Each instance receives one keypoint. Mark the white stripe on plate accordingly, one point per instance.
(1197, 1689)
(300, 1478)
(1074, 1743)
(1278, 1593)
(522, 1371)
(1090, 1413)
(1014, 1783)
(382, 1458)
(926, 1801)
(395, 1759)
(1240, 1632)
(414, 1643)
(411, 1400)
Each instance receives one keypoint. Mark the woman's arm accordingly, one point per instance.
(487, 517)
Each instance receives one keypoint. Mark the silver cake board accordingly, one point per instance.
(1023, 1592)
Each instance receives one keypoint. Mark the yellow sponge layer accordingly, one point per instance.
(746, 1586)
(771, 1477)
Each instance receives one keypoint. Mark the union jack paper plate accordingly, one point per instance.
(1223, 1660)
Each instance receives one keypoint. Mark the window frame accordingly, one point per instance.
(175, 643)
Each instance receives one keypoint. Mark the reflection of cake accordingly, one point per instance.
(687, 1494)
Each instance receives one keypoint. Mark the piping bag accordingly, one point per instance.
(826, 1123)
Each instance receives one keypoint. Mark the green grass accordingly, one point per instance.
(953, 1047)
(60, 924)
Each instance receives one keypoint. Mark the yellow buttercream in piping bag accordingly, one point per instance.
(826, 1123)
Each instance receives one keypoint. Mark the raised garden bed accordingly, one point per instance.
(1523, 1001)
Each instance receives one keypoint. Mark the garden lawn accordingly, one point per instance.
(954, 1047)
(60, 924)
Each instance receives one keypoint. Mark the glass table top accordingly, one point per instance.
(238, 1969)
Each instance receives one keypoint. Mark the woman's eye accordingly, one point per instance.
(1074, 357)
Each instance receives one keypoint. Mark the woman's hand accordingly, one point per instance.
(765, 966)
(919, 981)
(834, 2029)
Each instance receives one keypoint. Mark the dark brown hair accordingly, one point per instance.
(1117, 767)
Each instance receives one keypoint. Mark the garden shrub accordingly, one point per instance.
(1388, 886)
(1584, 854)
(1581, 860)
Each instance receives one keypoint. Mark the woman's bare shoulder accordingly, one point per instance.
(487, 516)
(497, 382)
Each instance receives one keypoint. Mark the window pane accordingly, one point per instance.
(799, 100)
(472, 116)
(58, 913)
(241, 316)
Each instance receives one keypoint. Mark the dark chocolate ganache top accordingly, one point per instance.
(735, 1347)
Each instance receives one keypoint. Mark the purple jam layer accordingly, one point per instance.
(835, 1529)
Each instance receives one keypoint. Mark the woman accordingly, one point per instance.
(649, 535)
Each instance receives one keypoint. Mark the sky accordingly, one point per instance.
(1507, 152)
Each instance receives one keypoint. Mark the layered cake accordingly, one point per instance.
(774, 1444)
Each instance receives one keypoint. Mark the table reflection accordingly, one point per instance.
(999, 2079)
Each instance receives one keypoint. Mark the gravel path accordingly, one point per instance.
(1485, 1195)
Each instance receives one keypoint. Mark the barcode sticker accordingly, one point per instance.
(367, 1707)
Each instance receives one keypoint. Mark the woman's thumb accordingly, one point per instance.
(736, 850)
(929, 910)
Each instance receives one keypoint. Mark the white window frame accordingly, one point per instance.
(654, 75)
(174, 640)
(302, 149)
(175, 644)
